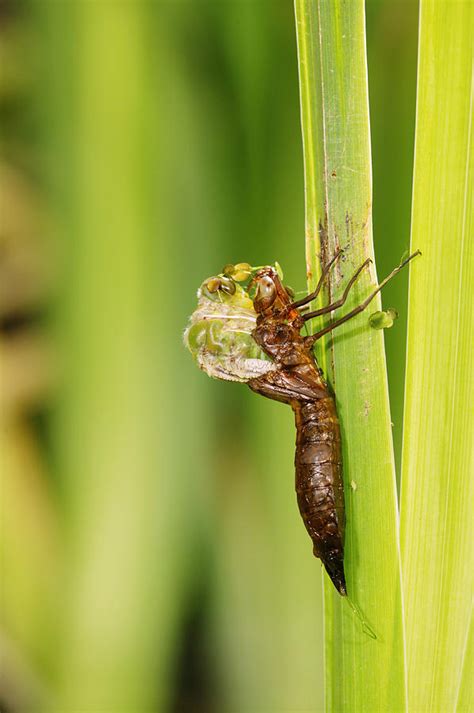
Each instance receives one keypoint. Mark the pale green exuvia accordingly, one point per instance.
(219, 334)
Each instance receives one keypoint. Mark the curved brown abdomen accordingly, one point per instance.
(319, 486)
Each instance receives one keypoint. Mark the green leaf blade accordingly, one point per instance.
(362, 674)
(437, 465)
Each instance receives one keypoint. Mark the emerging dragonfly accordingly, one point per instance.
(247, 328)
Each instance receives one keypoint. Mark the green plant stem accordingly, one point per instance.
(361, 674)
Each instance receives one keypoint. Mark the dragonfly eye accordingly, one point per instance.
(239, 272)
(210, 289)
(265, 294)
(227, 285)
(265, 288)
(215, 285)
(212, 284)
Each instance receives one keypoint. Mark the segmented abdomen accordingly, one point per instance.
(319, 486)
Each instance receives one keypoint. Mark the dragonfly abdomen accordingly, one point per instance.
(319, 487)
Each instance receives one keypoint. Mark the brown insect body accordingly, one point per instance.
(293, 378)
(298, 382)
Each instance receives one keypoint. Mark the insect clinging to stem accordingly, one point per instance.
(257, 340)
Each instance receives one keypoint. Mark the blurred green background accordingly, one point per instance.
(153, 558)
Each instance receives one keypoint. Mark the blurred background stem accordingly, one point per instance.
(115, 595)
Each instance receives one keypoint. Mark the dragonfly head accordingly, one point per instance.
(257, 288)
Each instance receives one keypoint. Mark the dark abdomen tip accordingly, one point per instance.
(334, 566)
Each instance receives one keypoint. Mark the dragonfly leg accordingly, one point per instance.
(341, 300)
(312, 295)
(314, 337)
